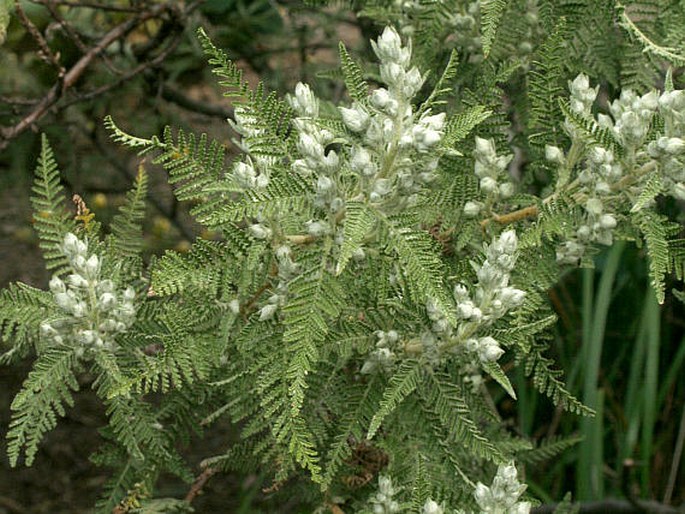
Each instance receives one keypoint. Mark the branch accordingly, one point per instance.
(616, 507)
(199, 483)
(72, 76)
(171, 94)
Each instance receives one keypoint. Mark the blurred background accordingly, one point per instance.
(65, 64)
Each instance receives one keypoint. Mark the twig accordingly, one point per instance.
(615, 507)
(44, 51)
(199, 483)
(527, 212)
(72, 76)
(89, 5)
(171, 94)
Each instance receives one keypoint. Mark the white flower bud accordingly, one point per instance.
(234, 306)
(129, 294)
(506, 190)
(92, 267)
(46, 329)
(64, 301)
(382, 186)
(594, 206)
(607, 221)
(77, 281)
(554, 154)
(380, 98)
(412, 83)
(392, 74)
(674, 145)
(488, 185)
(79, 309)
(304, 102)
(679, 191)
(259, 231)
(356, 119)
(107, 301)
(431, 507)
(79, 263)
(324, 184)
(508, 241)
(388, 47)
(511, 297)
(317, 228)
(268, 311)
(56, 285)
(336, 205)
(465, 309)
(472, 209)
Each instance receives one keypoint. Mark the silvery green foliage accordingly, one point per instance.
(94, 309)
(374, 265)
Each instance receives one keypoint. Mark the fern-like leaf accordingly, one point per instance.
(126, 239)
(51, 216)
(358, 221)
(357, 87)
(403, 383)
(491, 12)
(42, 398)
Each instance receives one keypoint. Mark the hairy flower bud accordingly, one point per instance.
(356, 119)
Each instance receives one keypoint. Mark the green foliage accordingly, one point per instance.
(379, 282)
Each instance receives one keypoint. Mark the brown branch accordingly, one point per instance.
(527, 212)
(89, 5)
(171, 94)
(200, 481)
(75, 72)
(616, 507)
(44, 50)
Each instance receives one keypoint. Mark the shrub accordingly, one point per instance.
(381, 266)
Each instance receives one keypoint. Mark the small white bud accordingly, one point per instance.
(92, 267)
(382, 186)
(234, 306)
(413, 82)
(107, 301)
(259, 231)
(268, 311)
(56, 285)
(488, 184)
(317, 228)
(594, 206)
(607, 221)
(472, 209)
(554, 154)
(324, 184)
(305, 103)
(506, 190)
(356, 119)
(380, 98)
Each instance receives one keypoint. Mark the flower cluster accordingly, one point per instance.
(489, 299)
(492, 299)
(502, 497)
(383, 356)
(491, 170)
(382, 501)
(605, 178)
(669, 149)
(94, 310)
